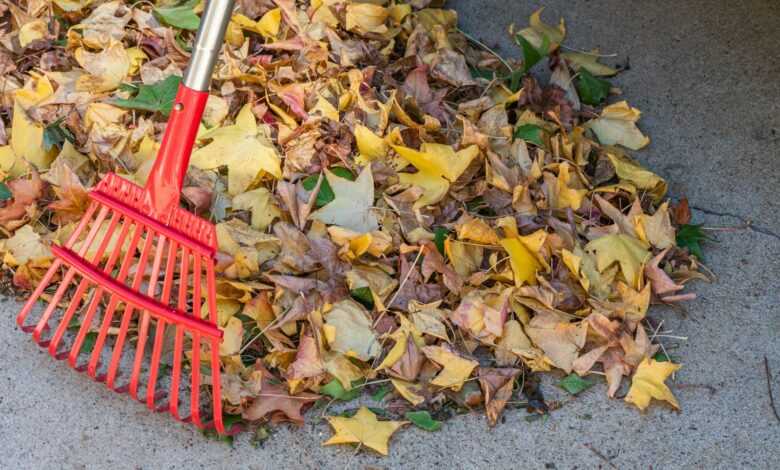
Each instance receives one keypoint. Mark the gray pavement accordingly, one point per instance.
(705, 74)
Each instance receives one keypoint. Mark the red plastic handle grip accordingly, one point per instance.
(167, 175)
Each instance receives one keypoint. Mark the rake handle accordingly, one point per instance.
(167, 176)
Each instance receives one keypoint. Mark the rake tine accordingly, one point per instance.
(160, 330)
(173, 397)
(43, 322)
(108, 316)
(196, 303)
(83, 286)
(143, 329)
(116, 356)
(215, 377)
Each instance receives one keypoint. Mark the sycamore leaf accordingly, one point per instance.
(352, 206)
(370, 145)
(409, 391)
(438, 159)
(690, 237)
(627, 251)
(181, 16)
(574, 384)
(592, 90)
(26, 135)
(561, 341)
(530, 133)
(630, 171)
(348, 330)
(26, 245)
(233, 334)
(524, 263)
(656, 229)
(363, 428)
(423, 420)
(326, 196)
(434, 187)
(260, 202)
(155, 98)
(365, 18)
(538, 32)
(648, 383)
(455, 369)
(617, 126)
(588, 61)
(244, 147)
(107, 68)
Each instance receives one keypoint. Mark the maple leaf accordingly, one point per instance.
(363, 428)
(273, 397)
(648, 383)
(352, 206)
(627, 251)
(617, 125)
(244, 147)
(348, 330)
(455, 369)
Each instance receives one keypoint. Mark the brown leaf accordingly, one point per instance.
(497, 386)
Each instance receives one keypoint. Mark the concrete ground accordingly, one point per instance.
(705, 74)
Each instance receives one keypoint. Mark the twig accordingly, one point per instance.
(748, 223)
(769, 389)
(600, 455)
(484, 46)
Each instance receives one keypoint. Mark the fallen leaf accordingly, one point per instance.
(648, 383)
(617, 125)
(353, 203)
(363, 429)
(455, 369)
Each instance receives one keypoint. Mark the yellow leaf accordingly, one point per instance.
(260, 202)
(27, 136)
(136, 57)
(566, 196)
(366, 18)
(340, 367)
(352, 206)
(627, 251)
(513, 338)
(268, 24)
(538, 31)
(107, 69)
(561, 341)
(648, 383)
(524, 263)
(244, 147)
(26, 245)
(409, 391)
(351, 328)
(325, 109)
(363, 428)
(617, 126)
(477, 230)
(573, 262)
(32, 31)
(370, 145)
(233, 335)
(588, 61)
(656, 229)
(9, 164)
(630, 171)
(439, 159)
(455, 369)
(434, 187)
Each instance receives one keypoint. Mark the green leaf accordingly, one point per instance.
(691, 237)
(423, 420)
(439, 235)
(592, 90)
(180, 16)
(54, 135)
(482, 73)
(335, 390)
(380, 394)
(5, 192)
(155, 98)
(363, 295)
(575, 384)
(530, 133)
(326, 194)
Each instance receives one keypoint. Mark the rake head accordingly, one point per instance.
(127, 310)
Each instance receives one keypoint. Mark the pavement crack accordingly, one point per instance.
(747, 223)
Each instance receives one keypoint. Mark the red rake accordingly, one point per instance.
(125, 220)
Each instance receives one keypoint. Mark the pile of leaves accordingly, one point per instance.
(399, 210)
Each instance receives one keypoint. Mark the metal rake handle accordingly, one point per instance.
(167, 176)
